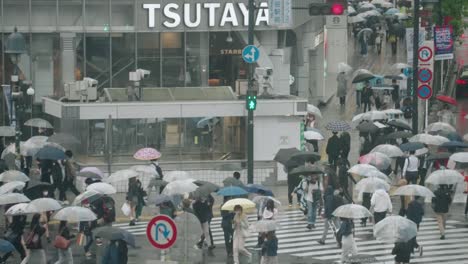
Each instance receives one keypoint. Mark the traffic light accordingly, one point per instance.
(332, 7)
(251, 101)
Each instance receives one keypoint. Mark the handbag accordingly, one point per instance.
(61, 242)
(32, 241)
(81, 239)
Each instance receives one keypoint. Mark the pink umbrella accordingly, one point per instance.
(147, 154)
(92, 170)
(377, 159)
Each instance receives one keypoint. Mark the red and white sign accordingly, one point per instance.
(426, 69)
(161, 232)
(425, 54)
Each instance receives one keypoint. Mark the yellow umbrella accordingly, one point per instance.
(245, 203)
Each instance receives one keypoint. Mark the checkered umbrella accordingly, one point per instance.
(338, 126)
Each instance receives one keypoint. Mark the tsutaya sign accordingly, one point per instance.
(191, 14)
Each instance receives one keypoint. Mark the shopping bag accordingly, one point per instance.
(126, 210)
(81, 239)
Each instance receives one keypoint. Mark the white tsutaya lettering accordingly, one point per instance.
(187, 20)
(229, 15)
(245, 13)
(263, 14)
(169, 13)
(211, 12)
(151, 13)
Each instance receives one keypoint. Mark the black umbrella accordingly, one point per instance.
(33, 184)
(412, 146)
(367, 127)
(283, 155)
(452, 136)
(305, 171)
(399, 124)
(439, 156)
(399, 134)
(302, 157)
(204, 190)
(114, 233)
(393, 77)
(454, 144)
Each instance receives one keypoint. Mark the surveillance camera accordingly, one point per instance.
(91, 82)
(263, 71)
(143, 73)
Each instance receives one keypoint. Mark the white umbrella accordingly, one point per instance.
(371, 13)
(401, 16)
(179, 187)
(89, 195)
(102, 188)
(420, 152)
(353, 211)
(121, 175)
(259, 199)
(33, 145)
(400, 66)
(413, 190)
(145, 170)
(13, 175)
(313, 135)
(176, 176)
(344, 67)
(394, 229)
(244, 203)
(75, 214)
(356, 19)
(38, 122)
(18, 209)
(361, 169)
(13, 198)
(41, 205)
(312, 109)
(371, 185)
(393, 112)
(11, 186)
(445, 177)
(264, 226)
(389, 150)
(429, 139)
(378, 2)
(440, 126)
(351, 10)
(387, 5)
(461, 157)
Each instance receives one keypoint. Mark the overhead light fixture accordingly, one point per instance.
(229, 37)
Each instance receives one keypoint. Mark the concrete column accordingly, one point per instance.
(67, 44)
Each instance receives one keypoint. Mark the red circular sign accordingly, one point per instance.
(424, 92)
(424, 54)
(161, 232)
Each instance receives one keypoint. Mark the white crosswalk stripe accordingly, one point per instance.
(295, 239)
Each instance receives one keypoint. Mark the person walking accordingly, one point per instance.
(135, 198)
(381, 204)
(226, 223)
(346, 232)
(311, 122)
(440, 204)
(65, 254)
(157, 181)
(70, 175)
(366, 97)
(415, 213)
(329, 206)
(396, 94)
(313, 191)
(202, 209)
(410, 169)
(342, 87)
(115, 253)
(366, 202)
(270, 249)
(359, 88)
(333, 149)
(402, 252)
(345, 139)
(35, 251)
(301, 194)
(393, 42)
(241, 228)
(14, 234)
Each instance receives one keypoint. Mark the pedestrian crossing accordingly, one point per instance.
(294, 239)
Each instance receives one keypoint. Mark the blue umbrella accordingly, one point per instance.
(411, 146)
(258, 188)
(6, 246)
(392, 11)
(232, 191)
(51, 153)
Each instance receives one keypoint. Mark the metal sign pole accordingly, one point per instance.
(415, 64)
(250, 116)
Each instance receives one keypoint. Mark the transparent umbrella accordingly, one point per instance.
(371, 184)
(413, 190)
(264, 226)
(18, 209)
(102, 187)
(11, 186)
(41, 205)
(352, 211)
(176, 176)
(145, 170)
(460, 157)
(179, 187)
(445, 177)
(75, 214)
(260, 199)
(389, 150)
(394, 229)
(13, 175)
(360, 169)
(312, 109)
(429, 139)
(89, 196)
(440, 126)
(13, 198)
(121, 175)
(377, 159)
(7, 131)
(91, 172)
(38, 122)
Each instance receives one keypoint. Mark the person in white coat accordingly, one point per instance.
(241, 228)
(381, 204)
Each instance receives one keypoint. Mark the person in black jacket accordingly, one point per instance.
(345, 139)
(135, 198)
(202, 210)
(13, 234)
(402, 252)
(226, 224)
(415, 213)
(333, 149)
(366, 202)
(329, 206)
(441, 203)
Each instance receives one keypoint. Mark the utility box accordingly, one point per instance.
(79, 91)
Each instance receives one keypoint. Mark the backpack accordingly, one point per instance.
(108, 208)
(408, 113)
(33, 240)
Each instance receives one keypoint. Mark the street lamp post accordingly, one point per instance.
(15, 46)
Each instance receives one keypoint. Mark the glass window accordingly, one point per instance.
(122, 15)
(46, 65)
(197, 58)
(98, 58)
(97, 15)
(149, 57)
(70, 14)
(16, 13)
(174, 73)
(123, 58)
(43, 15)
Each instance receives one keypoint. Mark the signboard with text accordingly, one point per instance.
(443, 43)
(280, 12)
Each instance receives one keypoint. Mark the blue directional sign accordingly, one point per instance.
(250, 54)
(424, 92)
(424, 75)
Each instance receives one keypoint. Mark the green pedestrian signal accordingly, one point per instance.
(251, 102)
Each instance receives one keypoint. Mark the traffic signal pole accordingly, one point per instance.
(250, 90)
(415, 64)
